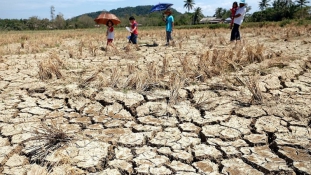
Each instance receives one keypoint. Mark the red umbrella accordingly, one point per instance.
(104, 17)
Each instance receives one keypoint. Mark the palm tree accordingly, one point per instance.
(220, 12)
(302, 3)
(281, 4)
(263, 4)
(289, 2)
(197, 15)
(189, 4)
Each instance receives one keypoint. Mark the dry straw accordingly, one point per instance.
(46, 139)
(84, 83)
(49, 67)
(252, 85)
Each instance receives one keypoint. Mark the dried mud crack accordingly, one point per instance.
(188, 109)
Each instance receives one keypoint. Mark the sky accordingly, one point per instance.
(23, 9)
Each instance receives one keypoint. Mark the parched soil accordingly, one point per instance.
(200, 106)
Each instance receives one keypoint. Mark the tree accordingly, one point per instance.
(302, 3)
(44, 23)
(263, 4)
(52, 13)
(220, 12)
(280, 10)
(197, 15)
(189, 4)
(248, 8)
(60, 21)
(282, 4)
(33, 22)
(86, 22)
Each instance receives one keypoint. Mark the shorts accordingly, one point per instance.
(109, 41)
(133, 39)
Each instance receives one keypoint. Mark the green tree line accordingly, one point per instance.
(279, 10)
(275, 10)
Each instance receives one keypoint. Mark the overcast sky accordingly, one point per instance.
(23, 9)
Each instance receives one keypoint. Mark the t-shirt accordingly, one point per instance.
(233, 11)
(169, 23)
(110, 33)
(134, 24)
(242, 12)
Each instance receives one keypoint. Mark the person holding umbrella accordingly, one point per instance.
(109, 20)
(110, 35)
(169, 20)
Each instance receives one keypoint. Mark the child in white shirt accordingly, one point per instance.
(110, 34)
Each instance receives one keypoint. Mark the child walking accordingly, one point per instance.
(134, 32)
(110, 35)
(233, 11)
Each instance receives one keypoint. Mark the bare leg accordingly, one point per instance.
(113, 46)
(137, 47)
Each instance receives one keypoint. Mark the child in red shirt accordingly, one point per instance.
(134, 32)
(233, 11)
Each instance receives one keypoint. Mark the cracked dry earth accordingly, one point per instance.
(211, 128)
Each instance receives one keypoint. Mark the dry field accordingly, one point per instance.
(201, 106)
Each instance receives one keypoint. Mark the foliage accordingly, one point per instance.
(220, 12)
(263, 4)
(141, 13)
(276, 10)
(189, 4)
(197, 15)
(282, 10)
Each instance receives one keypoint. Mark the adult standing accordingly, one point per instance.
(169, 20)
(238, 20)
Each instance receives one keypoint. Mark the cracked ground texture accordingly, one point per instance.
(160, 110)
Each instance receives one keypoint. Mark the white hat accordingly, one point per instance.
(242, 1)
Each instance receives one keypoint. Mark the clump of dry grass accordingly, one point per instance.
(24, 37)
(203, 67)
(255, 54)
(44, 71)
(308, 63)
(215, 57)
(165, 64)
(201, 101)
(277, 63)
(81, 49)
(153, 71)
(222, 41)
(176, 82)
(46, 139)
(115, 77)
(180, 44)
(88, 80)
(131, 68)
(49, 67)
(127, 48)
(93, 48)
(252, 85)
(71, 54)
(138, 81)
(186, 64)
